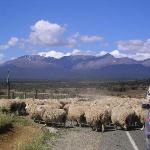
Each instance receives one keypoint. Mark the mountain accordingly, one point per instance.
(33, 61)
(76, 67)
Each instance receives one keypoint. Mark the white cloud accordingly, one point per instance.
(134, 46)
(79, 52)
(58, 54)
(117, 54)
(101, 53)
(12, 42)
(1, 58)
(76, 35)
(139, 56)
(45, 33)
(136, 49)
(52, 53)
(94, 38)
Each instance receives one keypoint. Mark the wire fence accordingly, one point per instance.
(38, 95)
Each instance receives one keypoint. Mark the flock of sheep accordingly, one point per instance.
(99, 114)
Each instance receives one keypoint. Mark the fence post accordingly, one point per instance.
(8, 85)
(36, 94)
(25, 95)
(13, 95)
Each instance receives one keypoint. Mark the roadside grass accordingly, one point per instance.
(11, 119)
(21, 121)
(32, 139)
(5, 122)
(37, 142)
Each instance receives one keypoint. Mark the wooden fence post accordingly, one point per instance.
(25, 95)
(36, 94)
(13, 95)
(8, 85)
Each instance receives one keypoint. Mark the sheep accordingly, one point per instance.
(124, 117)
(12, 106)
(53, 103)
(141, 116)
(64, 102)
(55, 116)
(37, 113)
(66, 107)
(97, 117)
(32, 104)
(76, 113)
(30, 107)
(48, 115)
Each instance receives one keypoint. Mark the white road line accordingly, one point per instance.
(132, 141)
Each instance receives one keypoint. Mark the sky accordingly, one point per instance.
(60, 28)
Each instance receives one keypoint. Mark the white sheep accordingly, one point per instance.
(76, 113)
(55, 116)
(124, 117)
(141, 116)
(98, 117)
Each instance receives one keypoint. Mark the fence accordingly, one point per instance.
(37, 95)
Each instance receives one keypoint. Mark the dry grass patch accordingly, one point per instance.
(36, 142)
(6, 121)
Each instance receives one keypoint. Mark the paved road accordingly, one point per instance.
(86, 139)
(79, 139)
(123, 140)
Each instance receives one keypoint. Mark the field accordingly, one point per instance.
(70, 89)
(37, 94)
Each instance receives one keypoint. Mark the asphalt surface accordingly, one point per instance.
(118, 140)
(79, 139)
(86, 139)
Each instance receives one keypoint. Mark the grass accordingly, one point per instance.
(21, 121)
(6, 121)
(34, 138)
(57, 89)
(38, 142)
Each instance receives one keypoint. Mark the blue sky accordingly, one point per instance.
(69, 27)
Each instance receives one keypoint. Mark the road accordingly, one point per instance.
(85, 139)
(123, 140)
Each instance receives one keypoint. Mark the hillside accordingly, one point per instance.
(76, 67)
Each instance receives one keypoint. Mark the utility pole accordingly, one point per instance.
(8, 85)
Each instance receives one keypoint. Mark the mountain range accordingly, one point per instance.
(76, 67)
